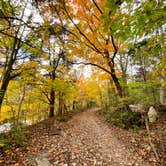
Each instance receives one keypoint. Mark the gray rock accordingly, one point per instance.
(5, 127)
(137, 108)
(42, 160)
(152, 114)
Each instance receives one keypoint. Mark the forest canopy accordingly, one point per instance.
(61, 56)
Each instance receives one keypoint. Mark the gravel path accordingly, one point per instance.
(87, 141)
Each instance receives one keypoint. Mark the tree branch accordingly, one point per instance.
(115, 49)
(79, 30)
(92, 64)
(97, 6)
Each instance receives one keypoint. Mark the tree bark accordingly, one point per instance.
(117, 83)
(52, 103)
(5, 83)
(60, 109)
(74, 105)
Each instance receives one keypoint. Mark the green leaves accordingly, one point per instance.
(148, 17)
(116, 20)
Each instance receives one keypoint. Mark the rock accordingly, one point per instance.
(42, 160)
(5, 127)
(152, 114)
(137, 108)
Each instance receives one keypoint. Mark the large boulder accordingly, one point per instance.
(152, 114)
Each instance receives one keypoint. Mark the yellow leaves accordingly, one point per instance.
(122, 47)
(95, 58)
(104, 76)
(91, 88)
(88, 89)
(4, 114)
(76, 50)
(118, 73)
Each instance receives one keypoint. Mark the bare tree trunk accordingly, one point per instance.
(52, 103)
(52, 94)
(60, 105)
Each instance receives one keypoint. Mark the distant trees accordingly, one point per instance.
(53, 36)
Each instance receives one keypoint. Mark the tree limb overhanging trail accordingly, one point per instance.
(85, 140)
(92, 64)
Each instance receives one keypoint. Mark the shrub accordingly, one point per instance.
(16, 137)
(125, 119)
(19, 135)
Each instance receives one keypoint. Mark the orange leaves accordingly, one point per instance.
(90, 24)
(122, 47)
(142, 152)
(118, 73)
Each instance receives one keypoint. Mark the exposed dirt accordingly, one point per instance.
(84, 140)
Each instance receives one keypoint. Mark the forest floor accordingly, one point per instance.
(84, 140)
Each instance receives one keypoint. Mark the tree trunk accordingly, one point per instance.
(5, 83)
(60, 109)
(112, 70)
(52, 103)
(162, 91)
(52, 94)
(124, 77)
(74, 105)
(117, 83)
(20, 105)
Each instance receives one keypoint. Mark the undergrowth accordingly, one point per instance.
(125, 119)
(16, 137)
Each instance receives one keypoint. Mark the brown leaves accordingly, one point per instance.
(142, 152)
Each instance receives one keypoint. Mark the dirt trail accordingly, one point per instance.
(87, 141)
